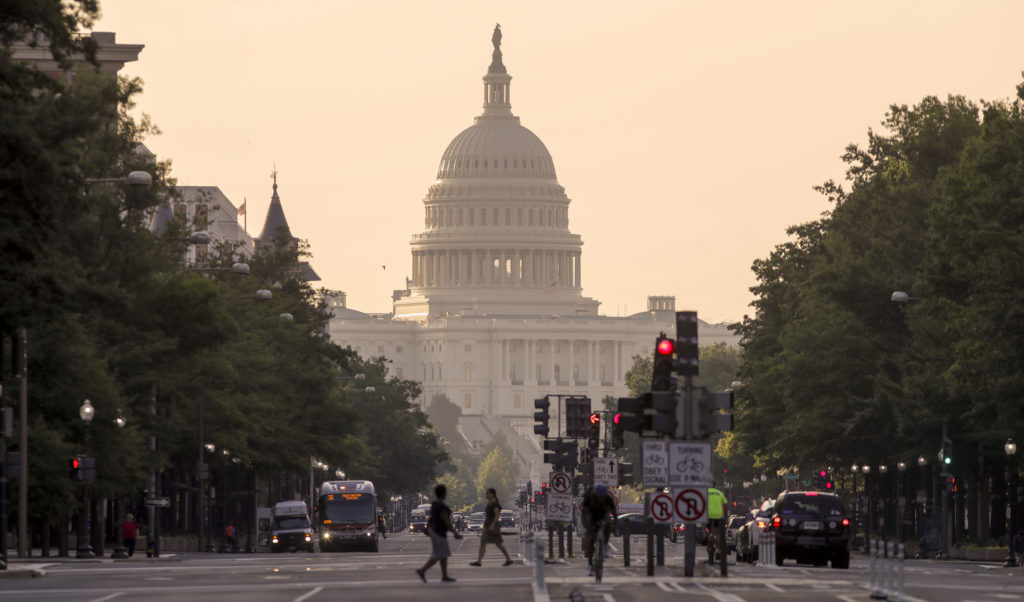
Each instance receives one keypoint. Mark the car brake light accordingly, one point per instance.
(776, 521)
(761, 524)
(846, 522)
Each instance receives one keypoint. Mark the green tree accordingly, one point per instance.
(444, 415)
(499, 470)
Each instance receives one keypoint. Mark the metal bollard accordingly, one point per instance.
(660, 544)
(539, 574)
(876, 571)
(901, 554)
(561, 542)
(569, 538)
(771, 549)
(890, 584)
(625, 543)
(528, 560)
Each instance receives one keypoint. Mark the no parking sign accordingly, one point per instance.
(691, 505)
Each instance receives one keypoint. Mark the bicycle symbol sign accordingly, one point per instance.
(661, 507)
(561, 482)
(690, 505)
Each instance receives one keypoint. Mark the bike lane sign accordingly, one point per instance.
(691, 505)
(655, 464)
(559, 507)
(661, 507)
(689, 463)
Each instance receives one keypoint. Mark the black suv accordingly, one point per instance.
(811, 527)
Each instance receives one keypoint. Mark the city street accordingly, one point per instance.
(389, 575)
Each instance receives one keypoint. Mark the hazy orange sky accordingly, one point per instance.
(688, 130)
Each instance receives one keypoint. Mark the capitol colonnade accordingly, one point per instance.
(482, 267)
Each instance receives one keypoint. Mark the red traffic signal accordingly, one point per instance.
(616, 418)
(595, 418)
(666, 347)
(75, 463)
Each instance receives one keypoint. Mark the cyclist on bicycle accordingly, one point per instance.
(718, 512)
(596, 509)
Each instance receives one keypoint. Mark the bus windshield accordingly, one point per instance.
(348, 508)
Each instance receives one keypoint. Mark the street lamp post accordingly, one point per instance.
(1011, 454)
(884, 493)
(901, 467)
(869, 521)
(922, 463)
(119, 550)
(86, 413)
(205, 497)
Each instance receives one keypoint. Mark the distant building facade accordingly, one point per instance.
(493, 315)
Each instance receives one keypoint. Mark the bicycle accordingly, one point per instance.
(598, 558)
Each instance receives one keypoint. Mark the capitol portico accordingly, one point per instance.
(493, 313)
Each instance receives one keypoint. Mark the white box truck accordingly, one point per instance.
(291, 530)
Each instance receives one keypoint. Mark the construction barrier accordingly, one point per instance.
(886, 571)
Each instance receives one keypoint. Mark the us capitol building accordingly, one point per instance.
(493, 315)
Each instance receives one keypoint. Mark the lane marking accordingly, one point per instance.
(110, 597)
(313, 592)
(774, 587)
(720, 596)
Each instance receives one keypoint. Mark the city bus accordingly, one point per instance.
(346, 516)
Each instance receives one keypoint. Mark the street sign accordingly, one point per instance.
(559, 506)
(691, 505)
(606, 470)
(689, 463)
(655, 463)
(561, 482)
(161, 502)
(661, 507)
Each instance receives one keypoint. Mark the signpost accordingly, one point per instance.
(655, 464)
(559, 506)
(606, 471)
(662, 507)
(689, 463)
(691, 505)
(561, 482)
(160, 502)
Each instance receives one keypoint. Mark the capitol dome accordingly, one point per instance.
(496, 146)
(496, 236)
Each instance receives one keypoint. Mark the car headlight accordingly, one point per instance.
(325, 535)
(274, 540)
(369, 533)
(308, 538)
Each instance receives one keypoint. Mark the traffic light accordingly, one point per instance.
(576, 411)
(542, 417)
(631, 411)
(625, 473)
(618, 434)
(946, 453)
(661, 376)
(553, 452)
(707, 405)
(75, 466)
(594, 434)
(663, 389)
(687, 362)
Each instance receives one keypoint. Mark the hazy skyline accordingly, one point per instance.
(690, 131)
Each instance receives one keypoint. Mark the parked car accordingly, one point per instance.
(732, 528)
(811, 527)
(637, 524)
(749, 535)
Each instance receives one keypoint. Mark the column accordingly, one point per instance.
(577, 255)
(572, 362)
(516, 271)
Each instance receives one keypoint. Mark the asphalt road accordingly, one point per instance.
(389, 575)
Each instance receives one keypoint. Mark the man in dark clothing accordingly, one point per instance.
(438, 526)
(491, 532)
(598, 511)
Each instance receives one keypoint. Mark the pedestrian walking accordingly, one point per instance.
(438, 526)
(1018, 546)
(229, 538)
(491, 532)
(381, 525)
(129, 533)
